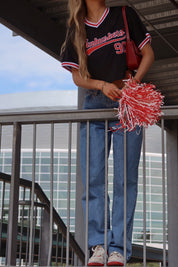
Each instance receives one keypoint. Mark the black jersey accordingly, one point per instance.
(105, 44)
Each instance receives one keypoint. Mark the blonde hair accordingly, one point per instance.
(78, 10)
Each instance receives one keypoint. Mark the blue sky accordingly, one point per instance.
(26, 68)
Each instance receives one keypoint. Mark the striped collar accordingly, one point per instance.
(97, 24)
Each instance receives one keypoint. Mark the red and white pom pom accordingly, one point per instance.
(140, 105)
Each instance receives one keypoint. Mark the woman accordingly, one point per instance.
(94, 51)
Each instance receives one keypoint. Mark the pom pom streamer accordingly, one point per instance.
(140, 105)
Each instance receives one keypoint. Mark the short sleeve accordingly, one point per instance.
(69, 57)
(137, 30)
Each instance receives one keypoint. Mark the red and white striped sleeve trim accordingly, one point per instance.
(145, 41)
(69, 65)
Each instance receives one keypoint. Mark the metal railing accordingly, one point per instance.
(36, 234)
(17, 120)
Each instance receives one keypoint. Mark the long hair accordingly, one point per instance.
(78, 10)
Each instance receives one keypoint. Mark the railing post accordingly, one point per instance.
(172, 180)
(79, 216)
(11, 248)
(45, 236)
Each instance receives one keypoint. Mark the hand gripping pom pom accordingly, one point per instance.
(140, 105)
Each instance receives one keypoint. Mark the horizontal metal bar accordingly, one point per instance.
(57, 116)
(169, 112)
(28, 203)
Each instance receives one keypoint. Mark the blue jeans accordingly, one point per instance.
(115, 234)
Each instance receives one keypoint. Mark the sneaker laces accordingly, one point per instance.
(96, 250)
(116, 254)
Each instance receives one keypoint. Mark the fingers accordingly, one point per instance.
(115, 94)
(112, 91)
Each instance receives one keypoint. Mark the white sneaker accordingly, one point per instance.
(97, 259)
(115, 259)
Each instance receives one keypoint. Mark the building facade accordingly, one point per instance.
(154, 194)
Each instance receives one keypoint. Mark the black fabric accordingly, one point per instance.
(105, 44)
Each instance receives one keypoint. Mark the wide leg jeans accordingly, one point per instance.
(96, 228)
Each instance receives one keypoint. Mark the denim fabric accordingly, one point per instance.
(115, 232)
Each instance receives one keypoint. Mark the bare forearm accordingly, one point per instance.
(111, 90)
(146, 62)
(88, 83)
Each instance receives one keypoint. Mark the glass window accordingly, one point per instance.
(72, 203)
(37, 160)
(27, 168)
(138, 223)
(73, 169)
(154, 158)
(45, 161)
(55, 194)
(156, 207)
(63, 169)
(63, 161)
(63, 154)
(27, 176)
(63, 194)
(63, 212)
(55, 203)
(8, 161)
(45, 168)
(110, 162)
(110, 170)
(156, 181)
(157, 237)
(45, 154)
(156, 224)
(156, 189)
(158, 231)
(62, 186)
(72, 213)
(140, 188)
(26, 160)
(156, 215)
(55, 160)
(110, 187)
(139, 206)
(6, 194)
(156, 198)
(44, 177)
(63, 177)
(140, 197)
(72, 195)
(45, 186)
(62, 203)
(73, 176)
(156, 172)
(138, 215)
(72, 221)
(73, 186)
(55, 177)
(157, 165)
(26, 154)
(7, 169)
(55, 168)
(27, 194)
